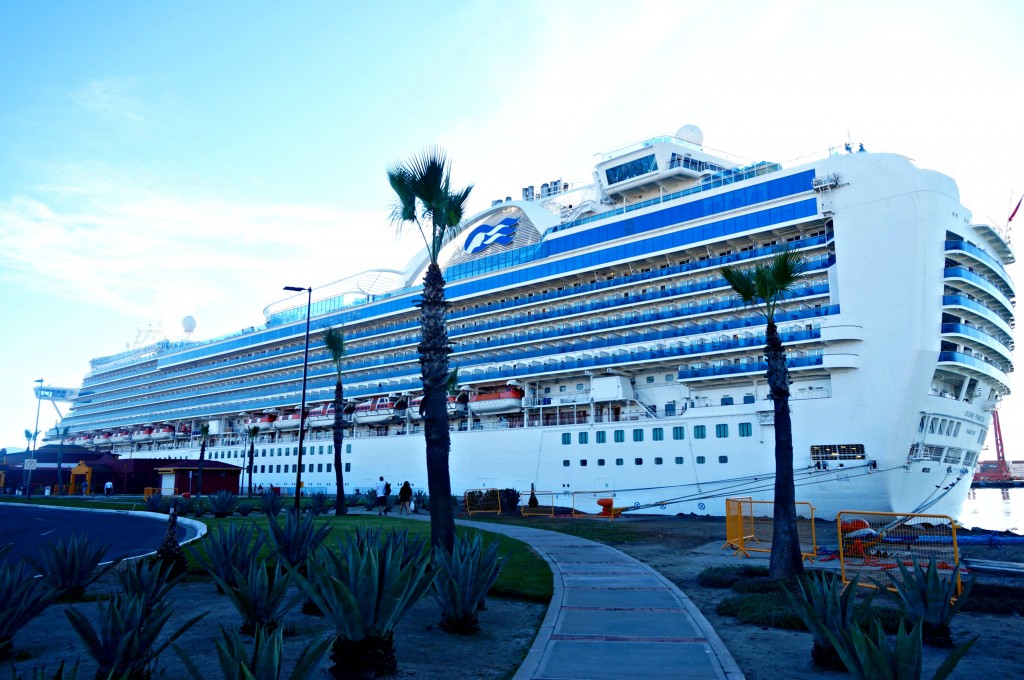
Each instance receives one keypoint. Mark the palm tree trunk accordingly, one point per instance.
(252, 458)
(786, 562)
(340, 508)
(434, 350)
(199, 469)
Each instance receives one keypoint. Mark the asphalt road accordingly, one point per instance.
(31, 528)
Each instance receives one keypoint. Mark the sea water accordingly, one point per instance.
(994, 509)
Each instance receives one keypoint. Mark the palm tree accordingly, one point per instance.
(426, 200)
(204, 432)
(334, 341)
(30, 437)
(763, 286)
(61, 435)
(252, 433)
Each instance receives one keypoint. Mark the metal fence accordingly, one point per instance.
(545, 506)
(749, 525)
(873, 545)
(482, 502)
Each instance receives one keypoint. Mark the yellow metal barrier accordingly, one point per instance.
(545, 505)
(872, 545)
(602, 507)
(482, 501)
(749, 525)
(150, 490)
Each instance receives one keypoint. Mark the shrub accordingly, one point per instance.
(70, 567)
(509, 500)
(297, 539)
(125, 643)
(154, 503)
(200, 506)
(258, 594)
(271, 504)
(364, 590)
(421, 500)
(826, 607)
(726, 576)
(149, 579)
(245, 509)
(769, 609)
(21, 600)
(265, 661)
(222, 503)
(463, 578)
(319, 504)
(757, 584)
(185, 505)
(232, 548)
(929, 597)
(867, 655)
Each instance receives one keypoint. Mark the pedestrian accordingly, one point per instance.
(404, 498)
(382, 497)
(85, 488)
(108, 489)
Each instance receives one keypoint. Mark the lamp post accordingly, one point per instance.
(302, 407)
(35, 436)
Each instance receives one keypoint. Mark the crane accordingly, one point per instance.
(997, 470)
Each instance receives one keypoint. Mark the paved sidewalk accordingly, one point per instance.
(611, 616)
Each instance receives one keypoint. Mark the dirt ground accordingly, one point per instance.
(678, 547)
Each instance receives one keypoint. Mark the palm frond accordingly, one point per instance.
(334, 341)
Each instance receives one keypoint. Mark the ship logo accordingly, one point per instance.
(486, 235)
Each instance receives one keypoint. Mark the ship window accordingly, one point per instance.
(348, 448)
(638, 435)
(826, 452)
(701, 460)
(659, 461)
(579, 387)
(321, 450)
(721, 431)
(700, 432)
(583, 462)
(746, 429)
(348, 467)
(931, 425)
(295, 468)
(601, 437)
(618, 461)
(678, 432)
(650, 379)
(278, 468)
(669, 377)
(319, 467)
(631, 169)
(600, 462)
(723, 459)
(547, 390)
(565, 463)
(583, 437)
(726, 401)
(638, 461)
(748, 398)
(658, 434)
(679, 460)
(620, 436)
(304, 467)
(263, 468)
(566, 438)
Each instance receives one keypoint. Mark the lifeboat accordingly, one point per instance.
(376, 410)
(264, 421)
(103, 439)
(162, 433)
(456, 407)
(83, 440)
(501, 401)
(183, 432)
(142, 435)
(288, 421)
(68, 441)
(120, 437)
(323, 415)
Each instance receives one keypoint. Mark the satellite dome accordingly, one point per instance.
(691, 134)
(188, 324)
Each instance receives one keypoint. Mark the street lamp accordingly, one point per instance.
(302, 408)
(39, 401)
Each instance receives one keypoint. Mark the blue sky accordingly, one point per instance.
(167, 159)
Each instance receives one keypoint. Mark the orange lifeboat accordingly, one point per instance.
(374, 411)
(456, 407)
(500, 401)
(288, 421)
(163, 432)
(142, 435)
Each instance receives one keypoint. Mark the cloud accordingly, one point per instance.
(115, 98)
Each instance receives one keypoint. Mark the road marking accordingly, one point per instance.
(47, 532)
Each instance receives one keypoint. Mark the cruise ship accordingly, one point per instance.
(601, 354)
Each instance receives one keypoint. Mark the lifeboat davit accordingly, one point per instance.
(163, 432)
(501, 401)
(374, 411)
(142, 435)
(288, 421)
(120, 437)
(456, 407)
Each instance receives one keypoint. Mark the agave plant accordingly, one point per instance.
(265, 661)
(222, 503)
(319, 504)
(21, 600)
(420, 500)
(259, 594)
(151, 580)
(199, 507)
(154, 502)
(61, 673)
(72, 566)
(410, 547)
(245, 509)
(125, 644)
(271, 504)
(185, 505)
(463, 578)
(826, 607)
(930, 597)
(868, 656)
(229, 550)
(364, 590)
(297, 539)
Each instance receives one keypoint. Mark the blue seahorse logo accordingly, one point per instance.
(487, 235)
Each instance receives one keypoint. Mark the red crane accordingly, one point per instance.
(994, 470)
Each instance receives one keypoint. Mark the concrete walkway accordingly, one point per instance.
(612, 616)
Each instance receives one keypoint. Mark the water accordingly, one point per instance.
(995, 509)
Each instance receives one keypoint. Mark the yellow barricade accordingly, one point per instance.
(545, 504)
(482, 501)
(872, 545)
(150, 490)
(749, 525)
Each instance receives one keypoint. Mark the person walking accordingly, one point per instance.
(108, 489)
(382, 497)
(404, 498)
(85, 488)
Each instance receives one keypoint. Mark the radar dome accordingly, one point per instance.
(691, 134)
(188, 324)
